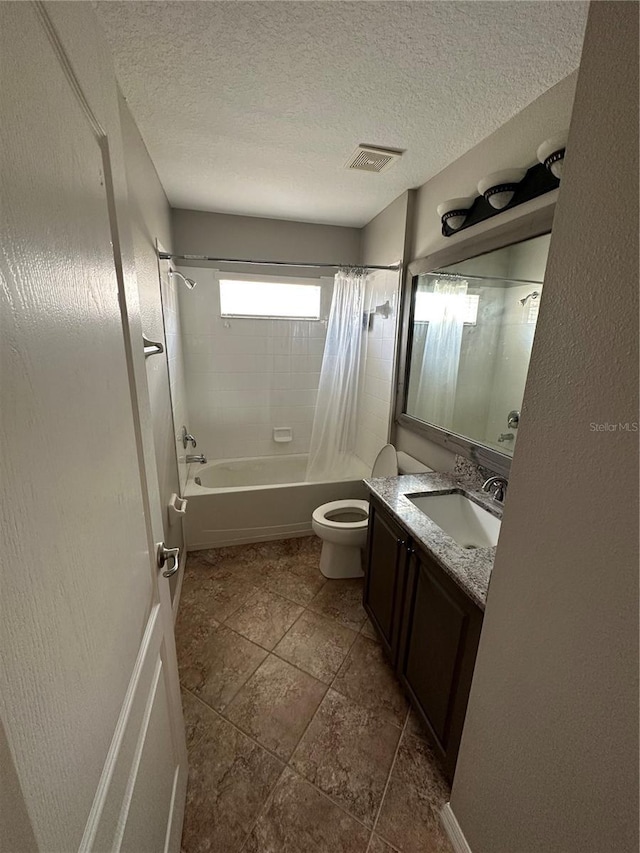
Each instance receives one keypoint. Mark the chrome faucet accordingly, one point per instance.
(500, 484)
(201, 458)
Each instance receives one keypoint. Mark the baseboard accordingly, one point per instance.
(452, 828)
(176, 598)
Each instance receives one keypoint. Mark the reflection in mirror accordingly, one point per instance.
(472, 331)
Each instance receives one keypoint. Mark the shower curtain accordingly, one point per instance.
(436, 395)
(334, 423)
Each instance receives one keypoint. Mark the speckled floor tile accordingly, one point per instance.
(236, 561)
(194, 620)
(264, 618)
(244, 561)
(301, 547)
(259, 555)
(347, 752)
(317, 645)
(341, 600)
(377, 845)
(276, 704)
(415, 726)
(299, 819)
(230, 778)
(296, 585)
(367, 678)
(410, 814)
(369, 631)
(220, 590)
(273, 698)
(215, 663)
(305, 558)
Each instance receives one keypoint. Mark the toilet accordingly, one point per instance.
(342, 525)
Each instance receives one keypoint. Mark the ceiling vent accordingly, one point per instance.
(367, 158)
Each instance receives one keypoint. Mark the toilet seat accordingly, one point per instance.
(320, 514)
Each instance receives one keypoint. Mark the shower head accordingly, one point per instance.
(188, 281)
(533, 295)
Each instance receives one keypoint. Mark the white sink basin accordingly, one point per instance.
(463, 520)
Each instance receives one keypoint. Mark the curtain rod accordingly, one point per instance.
(165, 256)
(445, 274)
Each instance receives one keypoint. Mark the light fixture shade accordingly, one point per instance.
(454, 211)
(551, 154)
(500, 187)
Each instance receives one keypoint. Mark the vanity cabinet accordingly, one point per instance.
(440, 632)
(428, 626)
(385, 575)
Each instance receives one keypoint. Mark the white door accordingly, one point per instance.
(92, 736)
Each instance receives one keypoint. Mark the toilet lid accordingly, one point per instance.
(386, 464)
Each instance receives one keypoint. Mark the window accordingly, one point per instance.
(424, 307)
(273, 299)
(532, 315)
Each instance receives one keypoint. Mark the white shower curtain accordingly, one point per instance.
(435, 399)
(334, 423)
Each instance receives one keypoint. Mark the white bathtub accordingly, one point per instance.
(259, 498)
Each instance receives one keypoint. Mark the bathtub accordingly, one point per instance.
(235, 501)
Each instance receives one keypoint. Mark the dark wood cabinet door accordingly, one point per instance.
(440, 635)
(385, 576)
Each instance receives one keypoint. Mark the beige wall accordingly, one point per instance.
(254, 238)
(549, 756)
(384, 238)
(384, 242)
(150, 220)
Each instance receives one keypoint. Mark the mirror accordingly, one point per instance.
(471, 330)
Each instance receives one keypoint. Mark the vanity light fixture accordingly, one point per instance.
(551, 154)
(502, 190)
(500, 187)
(454, 211)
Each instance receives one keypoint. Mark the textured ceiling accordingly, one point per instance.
(254, 107)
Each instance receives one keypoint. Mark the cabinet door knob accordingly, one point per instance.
(401, 543)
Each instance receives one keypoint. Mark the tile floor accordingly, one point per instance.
(299, 737)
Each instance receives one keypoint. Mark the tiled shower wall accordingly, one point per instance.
(378, 349)
(512, 363)
(246, 376)
(494, 358)
(175, 362)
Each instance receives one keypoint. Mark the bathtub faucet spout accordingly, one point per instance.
(201, 458)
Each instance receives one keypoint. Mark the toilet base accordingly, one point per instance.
(341, 561)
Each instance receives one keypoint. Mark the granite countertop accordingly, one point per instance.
(469, 568)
